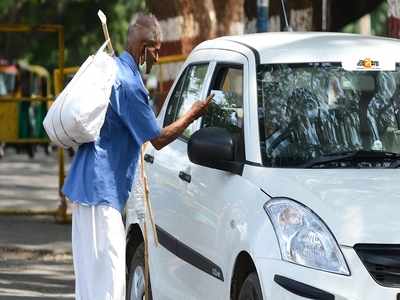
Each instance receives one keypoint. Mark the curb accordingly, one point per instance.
(27, 212)
(33, 252)
(61, 219)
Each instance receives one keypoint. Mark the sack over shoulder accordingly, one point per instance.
(78, 113)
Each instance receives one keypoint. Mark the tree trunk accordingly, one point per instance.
(394, 20)
(200, 20)
(230, 16)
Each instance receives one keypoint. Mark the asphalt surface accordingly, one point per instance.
(35, 251)
(29, 184)
(35, 275)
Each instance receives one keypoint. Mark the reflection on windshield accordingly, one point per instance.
(310, 110)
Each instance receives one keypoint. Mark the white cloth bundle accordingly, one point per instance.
(77, 115)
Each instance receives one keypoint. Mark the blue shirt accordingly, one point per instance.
(102, 172)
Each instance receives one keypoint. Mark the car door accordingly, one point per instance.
(211, 192)
(166, 171)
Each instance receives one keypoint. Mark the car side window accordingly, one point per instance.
(226, 110)
(187, 91)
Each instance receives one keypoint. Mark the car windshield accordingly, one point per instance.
(310, 111)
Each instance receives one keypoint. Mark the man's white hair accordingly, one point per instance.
(153, 26)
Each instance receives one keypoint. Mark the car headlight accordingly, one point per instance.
(303, 237)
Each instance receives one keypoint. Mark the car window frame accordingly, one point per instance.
(223, 65)
(183, 75)
(218, 66)
(181, 79)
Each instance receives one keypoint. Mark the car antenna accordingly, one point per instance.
(288, 28)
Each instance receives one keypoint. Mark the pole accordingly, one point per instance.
(262, 15)
(365, 25)
(62, 208)
(324, 15)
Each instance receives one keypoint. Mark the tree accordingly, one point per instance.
(200, 20)
(83, 34)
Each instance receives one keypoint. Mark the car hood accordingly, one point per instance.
(359, 205)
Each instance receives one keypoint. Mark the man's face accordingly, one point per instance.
(151, 55)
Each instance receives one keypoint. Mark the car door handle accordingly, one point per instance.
(149, 158)
(185, 176)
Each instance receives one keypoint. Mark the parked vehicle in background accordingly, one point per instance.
(23, 120)
(288, 187)
(8, 77)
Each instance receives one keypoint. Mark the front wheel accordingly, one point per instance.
(136, 277)
(251, 288)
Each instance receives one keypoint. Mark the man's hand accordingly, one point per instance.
(199, 107)
(174, 130)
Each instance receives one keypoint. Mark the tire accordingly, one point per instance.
(135, 286)
(251, 288)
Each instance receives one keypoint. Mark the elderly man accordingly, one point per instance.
(102, 172)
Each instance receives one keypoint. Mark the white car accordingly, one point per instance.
(288, 187)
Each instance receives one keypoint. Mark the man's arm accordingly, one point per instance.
(175, 129)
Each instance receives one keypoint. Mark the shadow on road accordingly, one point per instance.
(35, 259)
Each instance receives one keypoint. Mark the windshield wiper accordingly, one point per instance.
(355, 156)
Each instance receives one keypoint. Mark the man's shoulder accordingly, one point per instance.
(130, 83)
(125, 75)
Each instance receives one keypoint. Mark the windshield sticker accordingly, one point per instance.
(369, 64)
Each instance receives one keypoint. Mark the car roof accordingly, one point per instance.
(299, 47)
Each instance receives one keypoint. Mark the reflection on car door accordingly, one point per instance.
(167, 189)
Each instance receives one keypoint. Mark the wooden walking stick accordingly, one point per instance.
(147, 205)
(103, 20)
(146, 195)
(147, 208)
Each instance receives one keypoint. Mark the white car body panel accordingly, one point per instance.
(220, 215)
(301, 47)
(359, 286)
(367, 202)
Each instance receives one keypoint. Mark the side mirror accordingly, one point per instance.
(215, 148)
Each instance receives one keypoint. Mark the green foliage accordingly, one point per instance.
(83, 33)
(379, 19)
(378, 22)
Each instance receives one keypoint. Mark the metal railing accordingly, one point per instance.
(58, 75)
(60, 213)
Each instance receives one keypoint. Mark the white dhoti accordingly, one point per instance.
(98, 246)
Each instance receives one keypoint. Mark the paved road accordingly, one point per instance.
(29, 184)
(35, 259)
(35, 252)
(35, 275)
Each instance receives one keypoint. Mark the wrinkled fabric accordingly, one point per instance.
(78, 113)
(98, 245)
(102, 172)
